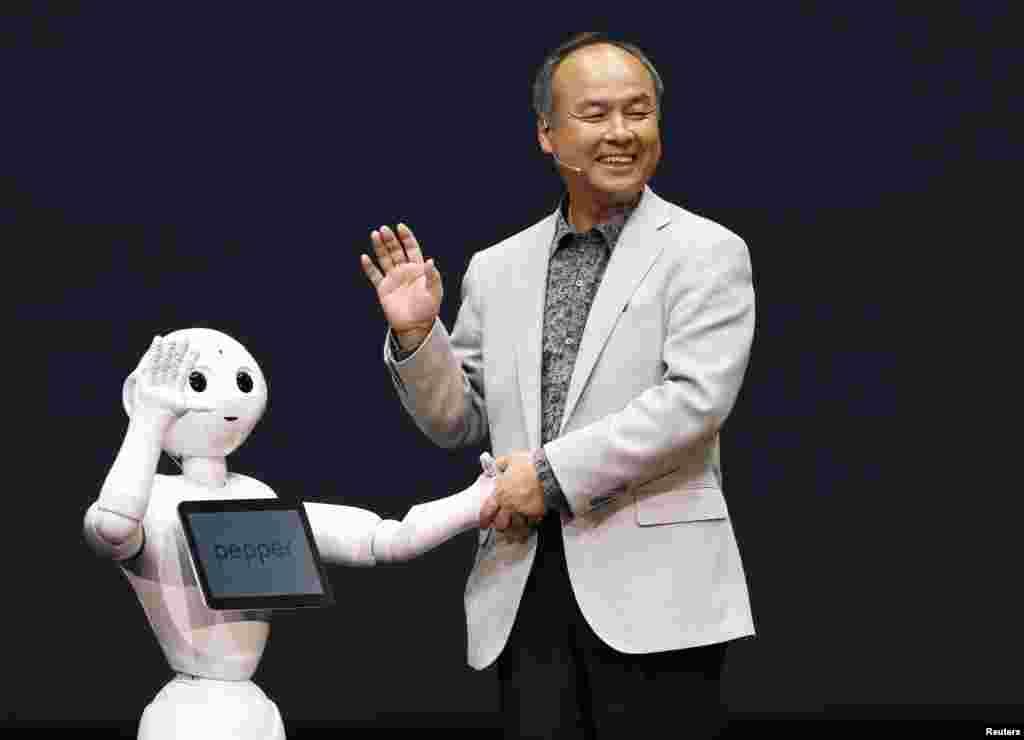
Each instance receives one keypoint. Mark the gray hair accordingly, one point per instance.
(543, 97)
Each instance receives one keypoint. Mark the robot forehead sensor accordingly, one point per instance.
(254, 554)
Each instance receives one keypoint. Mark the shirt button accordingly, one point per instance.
(568, 340)
(579, 283)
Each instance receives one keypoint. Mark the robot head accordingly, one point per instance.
(226, 378)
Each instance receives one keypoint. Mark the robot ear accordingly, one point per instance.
(128, 394)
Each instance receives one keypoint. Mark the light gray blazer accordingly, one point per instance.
(650, 549)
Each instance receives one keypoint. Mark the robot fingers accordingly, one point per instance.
(489, 465)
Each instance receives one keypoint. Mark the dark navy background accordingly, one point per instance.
(165, 167)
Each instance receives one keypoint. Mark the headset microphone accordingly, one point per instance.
(577, 170)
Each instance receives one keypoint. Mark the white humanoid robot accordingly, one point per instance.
(197, 394)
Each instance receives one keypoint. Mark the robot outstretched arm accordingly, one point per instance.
(346, 535)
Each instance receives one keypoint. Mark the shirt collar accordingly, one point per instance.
(609, 229)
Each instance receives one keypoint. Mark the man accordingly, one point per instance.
(602, 348)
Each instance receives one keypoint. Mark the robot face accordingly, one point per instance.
(226, 378)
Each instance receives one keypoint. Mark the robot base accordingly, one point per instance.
(190, 706)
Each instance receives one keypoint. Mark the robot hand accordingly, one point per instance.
(489, 465)
(160, 385)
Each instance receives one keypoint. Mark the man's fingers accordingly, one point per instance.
(509, 518)
(394, 247)
(513, 524)
(375, 276)
(518, 530)
(433, 276)
(503, 520)
(412, 247)
(488, 511)
(381, 250)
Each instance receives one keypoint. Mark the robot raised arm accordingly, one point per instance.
(346, 535)
(153, 397)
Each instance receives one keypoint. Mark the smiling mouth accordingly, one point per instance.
(230, 418)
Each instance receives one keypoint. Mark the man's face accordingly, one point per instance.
(605, 122)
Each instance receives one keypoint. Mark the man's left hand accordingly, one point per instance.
(517, 491)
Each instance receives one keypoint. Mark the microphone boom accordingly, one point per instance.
(577, 170)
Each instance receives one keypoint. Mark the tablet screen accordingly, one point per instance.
(254, 554)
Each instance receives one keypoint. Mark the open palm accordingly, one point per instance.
(407, 298)
(408, 288)
(160, 385)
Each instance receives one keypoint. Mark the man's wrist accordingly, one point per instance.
(554, 497)
(410, 339)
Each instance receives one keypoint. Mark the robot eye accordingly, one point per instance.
(244, 381)
(197, 380)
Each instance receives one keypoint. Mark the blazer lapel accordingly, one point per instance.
(529, 304)
(634, 255)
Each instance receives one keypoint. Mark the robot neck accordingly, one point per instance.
(211, 472)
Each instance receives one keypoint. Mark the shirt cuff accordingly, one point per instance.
(554, 498)
(396, 349)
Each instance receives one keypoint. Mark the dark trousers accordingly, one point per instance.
(560, 680)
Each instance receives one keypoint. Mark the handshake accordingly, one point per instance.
(517, 502)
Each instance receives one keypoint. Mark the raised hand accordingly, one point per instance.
(160, 386)
(409, 288)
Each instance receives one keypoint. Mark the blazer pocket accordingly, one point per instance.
(695, 501)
